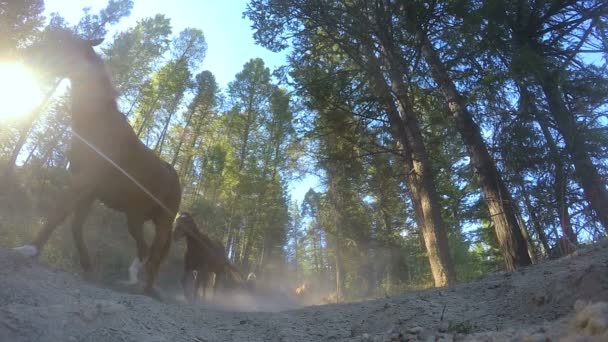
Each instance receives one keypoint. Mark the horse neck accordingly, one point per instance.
(192, 243)
(195, 239)
(92, 93)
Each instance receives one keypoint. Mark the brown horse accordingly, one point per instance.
(107, 160)
(204, 258)
(303, 290)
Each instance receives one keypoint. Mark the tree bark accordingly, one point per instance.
(417, 167)
(497, 197)
(560, 185)
(593, 186)
(540, 232)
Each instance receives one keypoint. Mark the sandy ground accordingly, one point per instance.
(39, 303)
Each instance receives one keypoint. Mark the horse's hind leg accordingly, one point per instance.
(136, 229)
(80, 214)
(158, 251)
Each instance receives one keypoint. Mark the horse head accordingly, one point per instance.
(183, 225)
(61, 53)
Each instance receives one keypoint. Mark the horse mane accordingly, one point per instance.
(105, 78)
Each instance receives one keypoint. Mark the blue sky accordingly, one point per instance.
(229, 38)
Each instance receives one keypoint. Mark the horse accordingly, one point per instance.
(204, 257)
(302, 290)
(107, 160)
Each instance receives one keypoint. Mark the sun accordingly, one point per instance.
(19, 91)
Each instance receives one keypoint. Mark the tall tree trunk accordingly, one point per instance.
(245, 262)
(593, 186)
(141, 128)
(183, 136)
(161, 141)
(31, 154)
(296, 254)
(317, 249)
(540, 232)
(339, 270)
(418, 172)
(497, 197)
(560, 185)
(266, 253)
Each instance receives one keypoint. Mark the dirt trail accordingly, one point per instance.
(38, 303)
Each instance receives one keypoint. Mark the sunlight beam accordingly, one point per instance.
(19, 92)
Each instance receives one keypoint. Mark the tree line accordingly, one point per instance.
(451, 138)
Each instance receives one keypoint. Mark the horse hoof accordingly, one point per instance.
(28, 251)
(154, 294)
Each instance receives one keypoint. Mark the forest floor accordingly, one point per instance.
(39, 303)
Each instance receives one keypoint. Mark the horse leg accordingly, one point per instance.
(158, 251)
(217, 279)
(66, 204)
(213, 283)
(136, 229)
(80, 214)
(200, 284)
(189, 286)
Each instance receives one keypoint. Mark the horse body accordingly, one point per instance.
(206, 257)
(104, 127)
(107, 160)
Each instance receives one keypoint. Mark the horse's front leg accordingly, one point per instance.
(80, 214)
(136, 229)
(189, 286)
(158, 251)
(79, 190)
(200, 284)
(216, 282)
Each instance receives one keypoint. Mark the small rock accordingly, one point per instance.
(415, 330)
(396, 336)
(540, 300)
(443, 327)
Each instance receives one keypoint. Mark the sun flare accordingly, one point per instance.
(19, 91)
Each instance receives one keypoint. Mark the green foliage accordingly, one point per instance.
(19, 22)
(135, 52)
